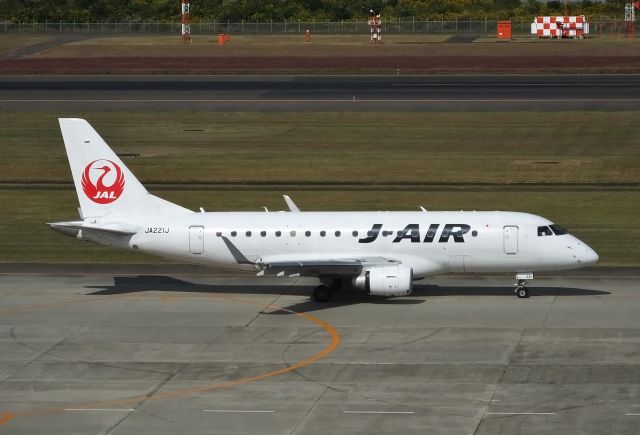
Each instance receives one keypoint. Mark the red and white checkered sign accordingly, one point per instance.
(567, 27)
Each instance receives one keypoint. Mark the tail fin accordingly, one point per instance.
(105, 186)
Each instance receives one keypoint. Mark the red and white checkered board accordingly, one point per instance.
(554, 26)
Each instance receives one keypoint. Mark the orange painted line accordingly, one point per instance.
(136, 400)
(6, 417)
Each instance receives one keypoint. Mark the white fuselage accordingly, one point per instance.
(428, 242)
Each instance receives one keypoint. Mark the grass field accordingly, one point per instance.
(605, 220)
(12, 42)
(345, 45)
(565, 147)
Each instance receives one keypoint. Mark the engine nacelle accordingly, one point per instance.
(396, 280)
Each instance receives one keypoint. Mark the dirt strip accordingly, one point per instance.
(310, 65)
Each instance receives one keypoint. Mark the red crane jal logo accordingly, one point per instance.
(102, 181)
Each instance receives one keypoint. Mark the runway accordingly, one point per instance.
(317, 93)
(215, 353)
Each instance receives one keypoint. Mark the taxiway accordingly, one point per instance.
(213, 353)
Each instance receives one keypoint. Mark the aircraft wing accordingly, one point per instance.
(308, 267)
(320, 267)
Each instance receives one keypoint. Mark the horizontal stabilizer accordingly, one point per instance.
(71, 228)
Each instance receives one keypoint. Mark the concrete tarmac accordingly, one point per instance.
(317, 93)
(192, 353)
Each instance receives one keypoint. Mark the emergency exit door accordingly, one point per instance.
(196, 240)
(510, 238)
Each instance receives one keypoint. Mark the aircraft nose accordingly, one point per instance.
(581, 253)
(589, 256)
(584, 254)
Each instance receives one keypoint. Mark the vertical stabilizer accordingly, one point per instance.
(105, 186)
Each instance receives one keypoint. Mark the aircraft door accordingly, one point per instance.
(510, 239)
(196, 240)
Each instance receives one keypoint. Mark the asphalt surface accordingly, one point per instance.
(317, 93)
(122, 354)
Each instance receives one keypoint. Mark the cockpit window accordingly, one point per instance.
(544, 231)
(558, 230)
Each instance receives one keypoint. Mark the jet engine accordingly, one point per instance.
(396, 280)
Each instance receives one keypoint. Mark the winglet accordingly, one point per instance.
(292, 205)
(237, 255)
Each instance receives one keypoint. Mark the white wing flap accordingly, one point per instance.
(320, 267)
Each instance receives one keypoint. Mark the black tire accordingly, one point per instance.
(336, 285)
(522, 292)
(322, 293)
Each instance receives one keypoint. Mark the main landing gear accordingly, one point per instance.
(520, 290)
(324, 291)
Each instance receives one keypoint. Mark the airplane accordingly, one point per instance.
(382, 253)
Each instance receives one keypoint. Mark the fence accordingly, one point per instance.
(397, 26)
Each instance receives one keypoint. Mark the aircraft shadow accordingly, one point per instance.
(347, 296)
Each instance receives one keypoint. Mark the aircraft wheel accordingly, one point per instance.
(322, 293)
(522, 292)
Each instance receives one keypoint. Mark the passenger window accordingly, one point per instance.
(544, 231)
(307, 233)
(263, 233)
(293, 233)
(337, 233)
(354, 233)
(558, 230)
(278, 233)
(218, 234)
(323, 233)
(233, 234)
(248, 233)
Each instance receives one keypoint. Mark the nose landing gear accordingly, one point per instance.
(520, 290)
